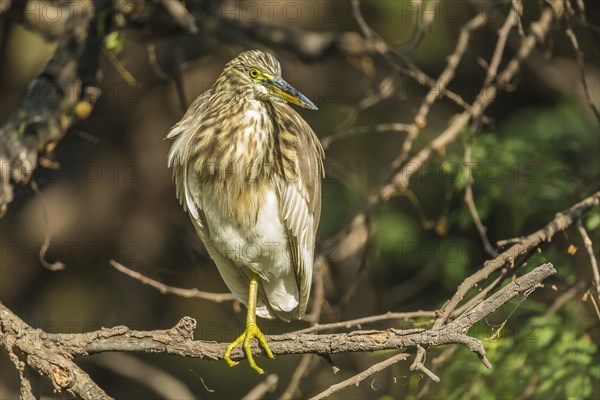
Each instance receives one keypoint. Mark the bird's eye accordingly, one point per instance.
(253, 73)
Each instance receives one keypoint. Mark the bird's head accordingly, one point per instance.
(258, 75)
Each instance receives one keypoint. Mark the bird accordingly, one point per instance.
(248, 168)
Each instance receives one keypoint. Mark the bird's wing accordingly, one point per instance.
(300, 200)
(182, 133)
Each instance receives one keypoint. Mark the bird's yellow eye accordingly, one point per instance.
(253, 73)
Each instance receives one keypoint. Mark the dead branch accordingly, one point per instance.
(28, 348)
(181, 15)
(470, 199)
(301, 369)
(587, 242)
(440, 86)
(356, 379)
(399, 62)
(367, 320)
(562, 221)
(153, 377)
(51, 355)
(352, 239)
(580, 57)
(508, 257)
(268, 385)
(486, 96)
(161, 287)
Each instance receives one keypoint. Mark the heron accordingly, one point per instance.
(247, 168)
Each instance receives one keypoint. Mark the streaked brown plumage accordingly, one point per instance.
(248, 170)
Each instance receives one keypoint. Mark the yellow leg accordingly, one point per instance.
(252, 331)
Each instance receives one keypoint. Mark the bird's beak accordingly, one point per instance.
(281, 89)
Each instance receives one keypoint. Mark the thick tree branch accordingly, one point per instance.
(32, 350)
(51, 354)
(562, 221)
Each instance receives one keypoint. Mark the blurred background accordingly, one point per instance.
(108, 194)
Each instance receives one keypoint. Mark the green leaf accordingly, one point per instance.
(579, 388)
(115, 42)
(593, 220)
(544, 337)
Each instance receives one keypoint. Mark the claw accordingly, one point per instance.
(252, 331)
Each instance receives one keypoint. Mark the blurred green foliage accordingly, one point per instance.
(537, 161)
(544, 358)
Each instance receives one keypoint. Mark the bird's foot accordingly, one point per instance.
(252, 331)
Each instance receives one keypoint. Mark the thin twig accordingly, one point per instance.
(319, 299)
(565, 297)
(267, 385)
(57, 265)
(381, 47)
(142, 372)
(469, 199)
(367, 320)
(435, 365)
(377, 128)
(356, 379)
(587, 242)
(181, 15)
(558, 224)
(301, 369)
(509, 23)
(484, 99)
(509, 242)
(580, 56)
(320, 268)
(478, 297)
(492, 72)
(161, 287)
(517, 6)
(418, 365)
(596, 307)
(385, 90)
(439, 87)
